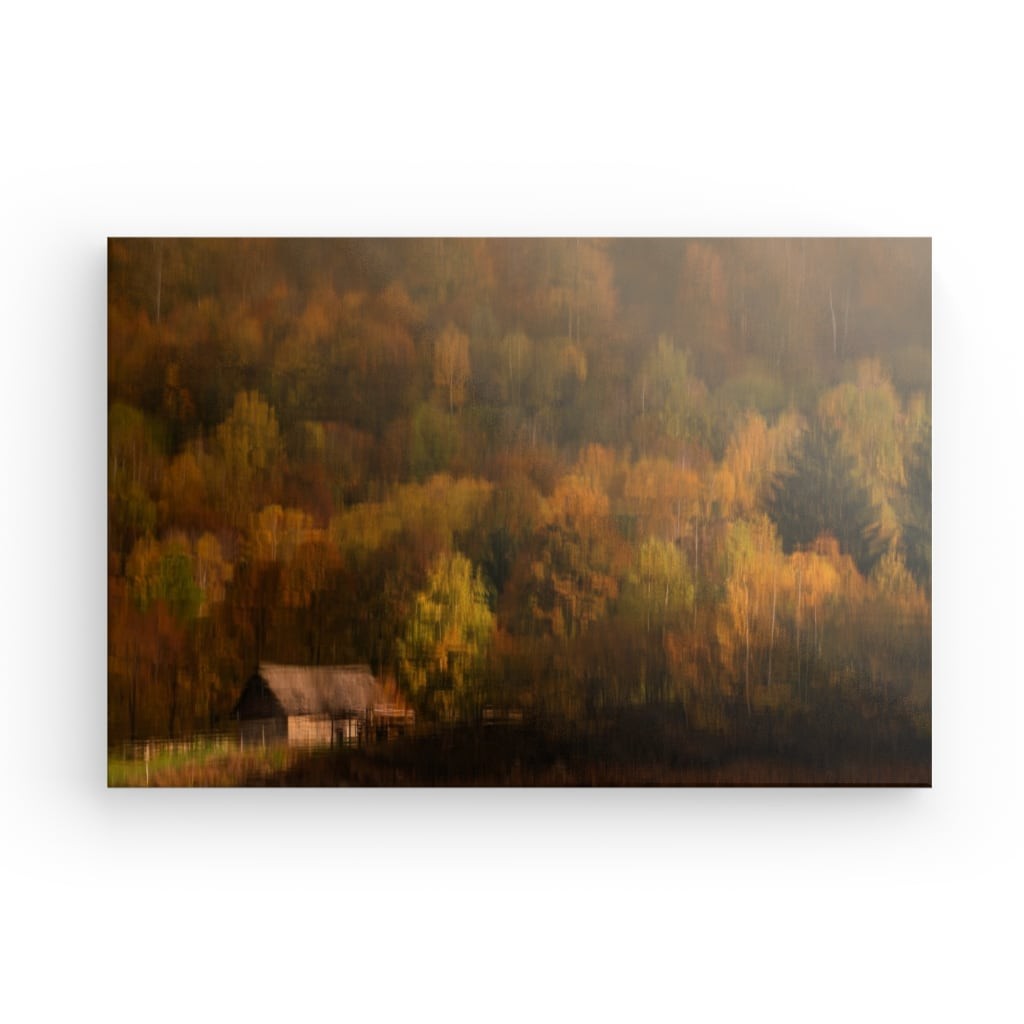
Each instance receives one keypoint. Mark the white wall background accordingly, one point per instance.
(730, 118)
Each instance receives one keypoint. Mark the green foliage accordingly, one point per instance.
(249, 441)
(669, 400)
(659, 587)
(820, 495)
(916, 505)
(176, 585)
(133, 443)
(754, 388)
(164, 572)
(134, 466)
(133, 514)
(432, 441)
(203, 761)
(874, 431)
(443, 651)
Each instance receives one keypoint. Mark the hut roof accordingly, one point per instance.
(318, 689)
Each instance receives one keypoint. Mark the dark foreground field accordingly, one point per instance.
(648, 748)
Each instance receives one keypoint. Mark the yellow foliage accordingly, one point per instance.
(276, 532)
(449, 505)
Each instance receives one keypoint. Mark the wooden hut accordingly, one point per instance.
(319, 705)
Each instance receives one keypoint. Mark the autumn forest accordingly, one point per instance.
(660, 506)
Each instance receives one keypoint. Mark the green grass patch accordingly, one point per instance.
(217, 762)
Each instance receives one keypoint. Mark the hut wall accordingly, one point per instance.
(309, 731)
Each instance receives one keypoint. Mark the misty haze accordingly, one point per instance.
(519, 512)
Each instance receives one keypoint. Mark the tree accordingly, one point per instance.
(163, 586)
(134, 467)
(163, 572)
(660, 584)
(444, 646)
(703, 306)
(874, 431)
(818, 581)
(432, 441)
(574, 575)
(754, 457)
(916, 508)
(895, 628)
(183, 501)
(748, 620)
(669, 400)
(663, 495)
(451, 365)
(249, 438)
(820, 494)
(656, 599)
(516, 357)
(249, 448)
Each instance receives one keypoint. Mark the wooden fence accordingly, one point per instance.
(151, 750)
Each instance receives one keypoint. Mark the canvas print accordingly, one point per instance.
(519, 512)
